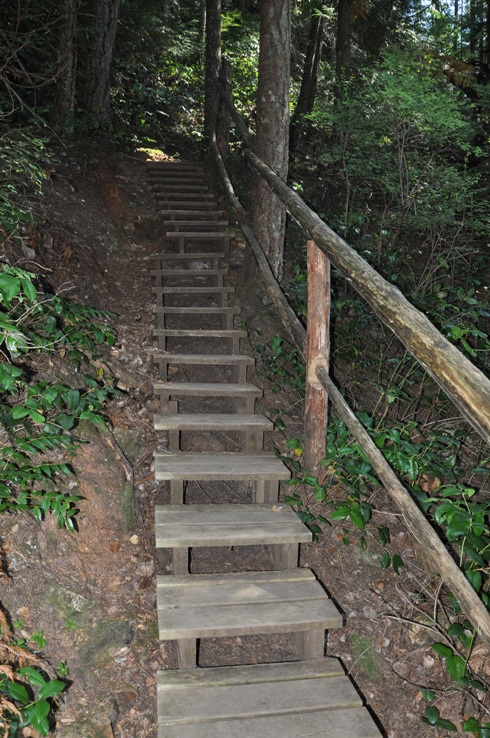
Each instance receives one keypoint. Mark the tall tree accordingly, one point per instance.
(344, 33)
(66, 73)
(213, 67)
(97, 57)
(309, 80)
(267, 214)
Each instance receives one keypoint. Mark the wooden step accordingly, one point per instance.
(197, 256)
(194, 224)
(196, 236)
(231, 338)
(194, 290)
(199, 333)
(180, 205)
(212, 359)
(174, 166)
(206, 389)
(184, 526)
(182, 184)
(225, 314)
(173, 194)
(238, 363)
(250, 603)
(222, 293)
(179, 272)
(252, 701)
(222, 466)
(198, 214)
(211, 421)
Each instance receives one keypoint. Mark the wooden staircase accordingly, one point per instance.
(308, 697)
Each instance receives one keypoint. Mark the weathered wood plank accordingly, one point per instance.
(191, 309)
(197, 223)
(209, 525)
(217, 235)
(260, 604)
(244, 577)
(351, 723)
(194, 256)
(221, 676)
(181, 272)
(213, 359)
(253, 700)
(194, 290)
(279, 616)
(197, 213)
(211, 421)
(207, 389)
(199, 333)
(222, 466)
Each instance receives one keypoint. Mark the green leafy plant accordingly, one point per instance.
(26, 691)
(36, 416)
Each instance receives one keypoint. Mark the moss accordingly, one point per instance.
(365, 656)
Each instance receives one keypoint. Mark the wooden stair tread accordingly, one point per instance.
(219, 466)
(197, 236)
(207, 389)
(252, 700)
(181, 526)
(199, 333)
(194, 290)
(186, 213)
(341, 723)
(201, 224)
(173, 194)
(220, 676)
(167, 202)
(217, 359)
(170, 184)
(190, 309)
(194, 256)
(178, 272)
(238, 702)
(210, 421)
(227, 607)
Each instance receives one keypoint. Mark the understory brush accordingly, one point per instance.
(39, 333)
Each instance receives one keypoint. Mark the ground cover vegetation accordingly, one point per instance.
(389, 143)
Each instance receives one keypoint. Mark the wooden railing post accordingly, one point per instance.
(317, 354)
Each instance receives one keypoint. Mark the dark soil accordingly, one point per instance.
(92, 593)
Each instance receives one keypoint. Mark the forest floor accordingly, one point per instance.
(92, 593)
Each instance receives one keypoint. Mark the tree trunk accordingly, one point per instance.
(66, 75)
(213, 66)
(98, 60)
(223, 118)
(344, 32)
(268, 215)
(309, 81)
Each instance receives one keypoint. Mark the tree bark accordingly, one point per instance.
(98, 59)
(66, 75)
(344, 33)
(213, 66)
(223, 119)
(309, 80)
(317, 354)
(268, 215)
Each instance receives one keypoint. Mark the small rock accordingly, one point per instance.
(134, 540)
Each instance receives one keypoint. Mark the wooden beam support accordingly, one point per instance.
(317, 354)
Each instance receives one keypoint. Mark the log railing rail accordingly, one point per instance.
(465, 384)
